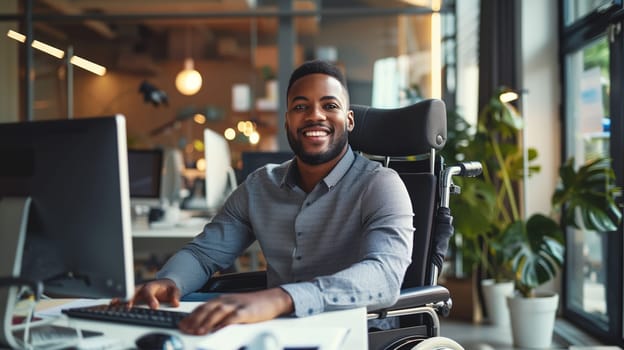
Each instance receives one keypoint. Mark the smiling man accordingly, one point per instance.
(335, 228)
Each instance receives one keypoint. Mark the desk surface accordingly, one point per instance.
(188, 228)
(345, 329)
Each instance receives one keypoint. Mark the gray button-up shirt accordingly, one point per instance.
(345, 244)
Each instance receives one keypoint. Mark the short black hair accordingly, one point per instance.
(317, 67)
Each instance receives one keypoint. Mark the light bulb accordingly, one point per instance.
(254, 138)
(229, 134)
(508, 96)
(188, 81)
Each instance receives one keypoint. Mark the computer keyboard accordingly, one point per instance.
(122, 314)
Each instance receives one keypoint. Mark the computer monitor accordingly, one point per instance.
(171, 191)
(254, 160)
(220, 177)
(145, 168)
(78, 237)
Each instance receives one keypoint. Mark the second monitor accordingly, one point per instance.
(220, 177)
(145, 169)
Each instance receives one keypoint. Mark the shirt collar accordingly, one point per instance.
(341, 168)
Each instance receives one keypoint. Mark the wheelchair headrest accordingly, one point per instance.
(405, 131)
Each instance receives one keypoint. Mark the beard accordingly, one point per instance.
(336, 147)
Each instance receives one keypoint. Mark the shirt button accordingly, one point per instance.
(299, 233)
(298, 258)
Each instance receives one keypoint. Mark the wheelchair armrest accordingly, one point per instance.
(415, 296)
(418, 296)
(236, 282)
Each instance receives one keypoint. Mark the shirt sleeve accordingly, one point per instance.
(385, 253)
(215, 248)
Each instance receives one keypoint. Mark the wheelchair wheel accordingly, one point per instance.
(438, 343)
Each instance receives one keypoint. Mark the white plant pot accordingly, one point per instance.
(533, 320)
(495, 298)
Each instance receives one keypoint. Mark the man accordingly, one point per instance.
(335, 228)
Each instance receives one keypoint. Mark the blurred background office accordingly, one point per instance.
(177, 68)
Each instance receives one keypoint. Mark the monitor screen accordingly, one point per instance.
(145, 169)
(254, 160)
(78, 238)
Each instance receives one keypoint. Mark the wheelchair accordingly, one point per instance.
(408, 140)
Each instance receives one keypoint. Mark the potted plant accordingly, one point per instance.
(583, 199)
(538, 254)
(489, 204)
(515, 252)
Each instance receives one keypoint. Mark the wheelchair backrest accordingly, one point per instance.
(406, 139)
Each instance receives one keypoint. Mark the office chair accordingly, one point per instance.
(406, 139)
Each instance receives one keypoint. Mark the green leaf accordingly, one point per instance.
(589, 194)
(537, 250)
(477, 200)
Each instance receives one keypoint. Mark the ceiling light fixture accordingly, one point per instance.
(58, 53)
(17, 36)
(508, 96)
(188, 81)
(49, 49)
(88, 65)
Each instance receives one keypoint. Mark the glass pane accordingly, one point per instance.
(9, 99)
(388, 60)
(587, 136)
(575, 9)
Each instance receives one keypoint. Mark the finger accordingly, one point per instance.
(144, 294)
(224, 315)
(192, 324)
(137, 295)
(152, 301)
(175, 297)
(205, 318)
(136, 298)
(234, 317)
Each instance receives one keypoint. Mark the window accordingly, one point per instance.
(592, 45)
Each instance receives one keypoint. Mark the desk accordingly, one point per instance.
(333, 324)
(163, 240)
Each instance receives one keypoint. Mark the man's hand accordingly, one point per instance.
(237, 308)
(154, 292)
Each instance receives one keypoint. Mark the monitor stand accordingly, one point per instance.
(13, 221)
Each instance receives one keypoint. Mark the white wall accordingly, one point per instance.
(541, 78)
(9, 84)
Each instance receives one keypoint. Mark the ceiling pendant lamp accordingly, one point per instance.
(188, 81)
